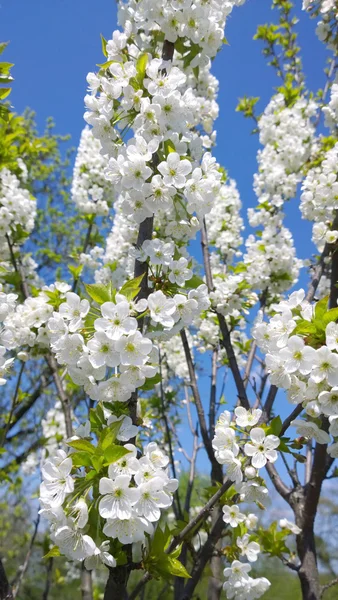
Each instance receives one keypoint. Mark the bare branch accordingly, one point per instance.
(277, 481)
(48, 578)
(13, 404)
(19, 580)
(197, 398)
(226, 341)
(286, 424)
(5, 588)
(212, 403)
(327, 586)
(61, 393)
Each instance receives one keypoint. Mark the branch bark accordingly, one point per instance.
(17, 584)
(5, 588)
(203, 558)
(226, 341)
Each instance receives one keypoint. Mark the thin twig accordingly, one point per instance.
(13, 404)
(168, 436)
(286, 424)
(48, 578)
(328, 586)
(61, 393)
(85, 246)
(226, 341)
(213, 387)
(197, 398)
(24, 568)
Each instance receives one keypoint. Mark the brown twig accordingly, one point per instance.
(17, 584)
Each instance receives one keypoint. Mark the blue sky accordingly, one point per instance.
(54, 43)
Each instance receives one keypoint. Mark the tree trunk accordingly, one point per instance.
(215, 581)
(86, 584)
(116, 587)
(5, 588)
(179, 581)
(308, 572)
(216, 563)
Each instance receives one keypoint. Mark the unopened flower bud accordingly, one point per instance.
(250, 472)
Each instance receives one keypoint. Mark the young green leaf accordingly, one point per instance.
(100, 293)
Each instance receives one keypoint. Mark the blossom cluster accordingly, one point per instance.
(163, 169)
(331, 109)
(90, 190)
(301, 346)
(239, 584)
(224, 222)
(287, 134)
(17, 206)
(234, 451)
(327, 26)
(319, 198)
(129, 499)
(244, 447)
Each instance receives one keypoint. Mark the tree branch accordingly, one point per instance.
(5, 588)
(199, 406)
(226, 341)
(328, 586)
(24, 568)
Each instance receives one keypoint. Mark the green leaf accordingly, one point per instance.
(91, 475)
(141, 66)
(299, 457)
(76, 271)
(275, 426)
(97, 462)
(83, 445)
(194, 282)
(81, 459)
(5, 78)
(304, 328)
(330, 315)
(131, 288)
(114, 453)
(171, 566)
(52, 552)
(150, 383)
(107, 64)
(95, 420)
(100, 293)
(104, 46)
(3, 45)
(4, 92)
(108, 435)
(169, 147)
(4, 113)
(5, 67)
(321, 308)
(159, 541)
(177, 569)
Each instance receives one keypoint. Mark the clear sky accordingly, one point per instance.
(54, 43)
